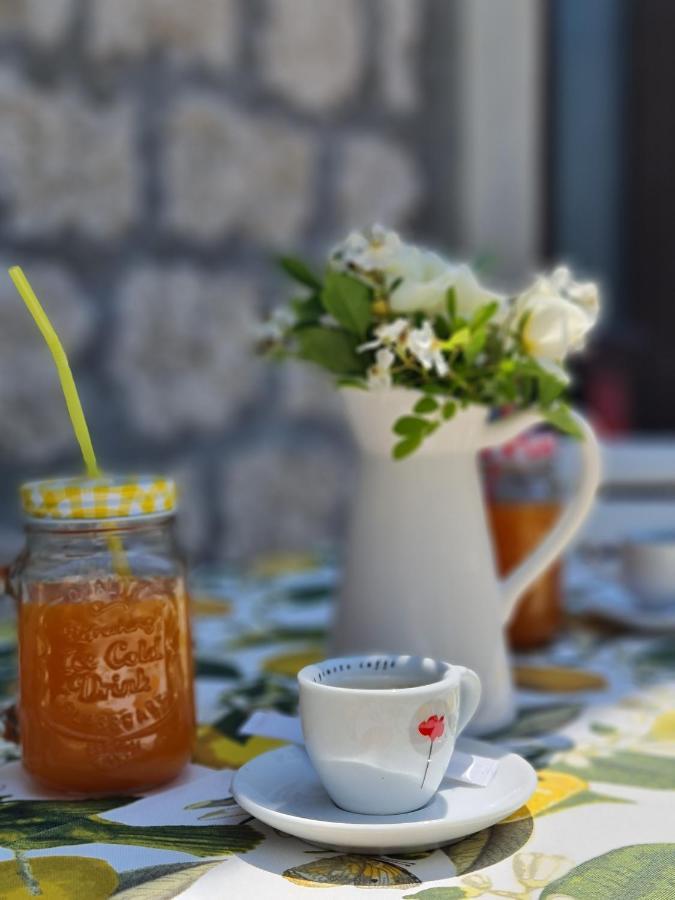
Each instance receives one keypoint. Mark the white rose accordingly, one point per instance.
(554, 327)
(426, 277)
(378, 256)
(472, 296)
(559, 314)
(420, 278)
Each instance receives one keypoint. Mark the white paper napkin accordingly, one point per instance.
(468, 768)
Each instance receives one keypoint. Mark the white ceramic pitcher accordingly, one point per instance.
(420, 576)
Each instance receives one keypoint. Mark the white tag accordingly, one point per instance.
(469, 768)
(273, 725)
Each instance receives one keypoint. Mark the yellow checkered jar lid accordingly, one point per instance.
(107, 497)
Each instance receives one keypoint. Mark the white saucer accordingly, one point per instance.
(282, 790)
(616, 605)
(601, 592)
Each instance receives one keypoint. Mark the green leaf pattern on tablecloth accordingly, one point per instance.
(440, 893)
(42, 824)
(625, 767)
(541, 720)
(640, 872)
(160, 882)
(489, 846)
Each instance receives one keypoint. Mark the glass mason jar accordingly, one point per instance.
(523, 504)
(105, 665)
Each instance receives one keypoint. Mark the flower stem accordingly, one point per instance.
(426, 768)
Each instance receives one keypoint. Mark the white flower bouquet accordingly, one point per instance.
(389, 313)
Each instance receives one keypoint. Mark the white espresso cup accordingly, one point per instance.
(380, 729)
(648, 567)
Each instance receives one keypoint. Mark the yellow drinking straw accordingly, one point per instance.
(70, 393)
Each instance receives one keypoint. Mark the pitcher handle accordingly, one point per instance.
(518, 580)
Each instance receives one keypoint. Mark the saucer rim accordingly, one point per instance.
(629, 612)
(391, 832)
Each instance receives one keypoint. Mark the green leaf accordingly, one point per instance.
(160, 882)
(483, 315)
(298, 270)
(215, 668)
(425, 405)
(409, 426)
(348, 301)
(541, 720)
(459, 339)
(449, 409)
(489, 846)
(308, 310)
(475, 345)
(603, 728)
(438, 893)
(331, 348)
(636, 872)
(628, 768)
(357, 383)
(197, 840)
(550, 387)
(581, 799)
(561, 417)
(406, 447)
(451, 303)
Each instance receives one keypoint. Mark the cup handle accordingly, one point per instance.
(469, 696)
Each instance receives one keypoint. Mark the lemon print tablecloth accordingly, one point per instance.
(596, 718)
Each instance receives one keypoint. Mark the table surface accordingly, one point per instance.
(596, 718)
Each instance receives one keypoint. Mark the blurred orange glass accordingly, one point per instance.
(517, 528)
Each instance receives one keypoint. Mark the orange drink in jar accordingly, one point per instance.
(105, 668)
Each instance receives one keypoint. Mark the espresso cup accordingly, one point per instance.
(380, 729)
(648, 567)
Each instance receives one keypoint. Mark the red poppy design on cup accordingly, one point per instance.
(433, 728)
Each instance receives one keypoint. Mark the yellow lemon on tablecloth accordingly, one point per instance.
(663, 727)
(557, 679)
(552, 788)
(274, 564)
(291, 663)
(202, 605)
(56, 878)
(216, 750)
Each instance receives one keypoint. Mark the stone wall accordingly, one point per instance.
(155, 155)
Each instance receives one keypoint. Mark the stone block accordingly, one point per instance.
(182, 352)
(377, 181)
(47, 21)
(400, 26)
(199, 31)
(311, 51)
(65, 163)
(308, 392)
(225, 169)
